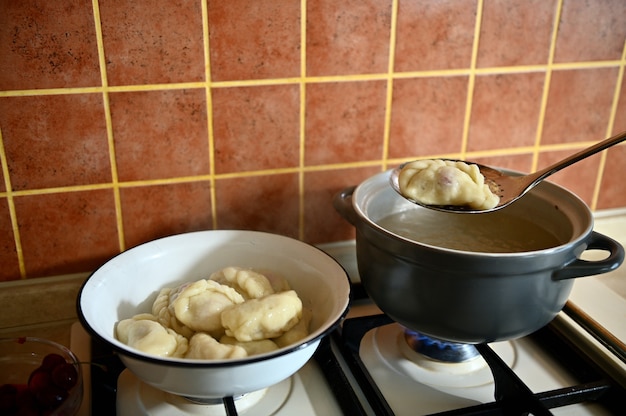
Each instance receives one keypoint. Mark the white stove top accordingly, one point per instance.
(303, 394)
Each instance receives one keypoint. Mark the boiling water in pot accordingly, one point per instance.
(498, 232)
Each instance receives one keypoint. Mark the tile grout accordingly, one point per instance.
(314, 79)
(295, 169)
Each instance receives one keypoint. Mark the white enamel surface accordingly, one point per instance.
(129, 283)
(220, 381)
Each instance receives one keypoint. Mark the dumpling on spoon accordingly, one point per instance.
(446, 182)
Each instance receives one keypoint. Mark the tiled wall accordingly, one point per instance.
(122, 121)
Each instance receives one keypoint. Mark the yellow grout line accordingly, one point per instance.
(281, 171)
(389, 93)
(471, 79)
(109, 125)
(302, 117)
(546, 85)
(609, 130)
(209, 111)
(313, 80)
(59, 189)
(51, 91)
(12, 213)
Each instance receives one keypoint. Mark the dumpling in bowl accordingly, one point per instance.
(165, 316)
(249, 283)
(144, 333)
(268, 317)
(199, 305)
(252, 347)
(296, 333)
(204, 346)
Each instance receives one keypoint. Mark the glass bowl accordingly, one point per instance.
(30, 385)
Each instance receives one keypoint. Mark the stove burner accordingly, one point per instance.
(209, 401)
(386, 346)
(449, 352)
(137, 398)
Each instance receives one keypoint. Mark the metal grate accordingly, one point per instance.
(512, 396)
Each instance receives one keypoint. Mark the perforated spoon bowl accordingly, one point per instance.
(508, 187)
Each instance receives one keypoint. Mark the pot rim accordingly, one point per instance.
(542, 187)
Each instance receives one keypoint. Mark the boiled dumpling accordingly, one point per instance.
(268, 317)
(446, 182)
(199, 305)
(252, 347)
(298, 332)
(144, 333)
(279, 283)
(166, 317)
(204, 346)
(249, 283)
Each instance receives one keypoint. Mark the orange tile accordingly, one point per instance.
(579, 105)
(322, 222)
(427, 116)
(579, 178)
(505, 111)
(254, 40)
(591, 31)
(160, 134)
(65, 233)
(256, 128)
(65, 138)
(434, 34)
(261, 203)
(521, 163)
(151, 212)
(152, 42)
(515, 33)
(47, 44)
(348, 37)
(8, 254)
(613, 188)
(345, 122)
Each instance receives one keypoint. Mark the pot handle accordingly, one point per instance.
(579, 268)
(343, 204)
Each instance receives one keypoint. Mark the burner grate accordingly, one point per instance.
(512, 396)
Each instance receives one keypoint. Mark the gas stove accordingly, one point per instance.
(370, 366)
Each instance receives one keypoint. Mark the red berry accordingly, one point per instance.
(51, 397)
(65, 376)
(50, 361)
(39, 380)
(28, 409)
(8, 398)
(25, 401)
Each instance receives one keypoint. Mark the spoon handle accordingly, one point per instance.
(598, 147)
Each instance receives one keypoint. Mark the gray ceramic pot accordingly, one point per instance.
(469, 296)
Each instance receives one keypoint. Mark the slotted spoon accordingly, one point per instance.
(508, 187)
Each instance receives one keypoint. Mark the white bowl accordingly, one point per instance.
(128, 284)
